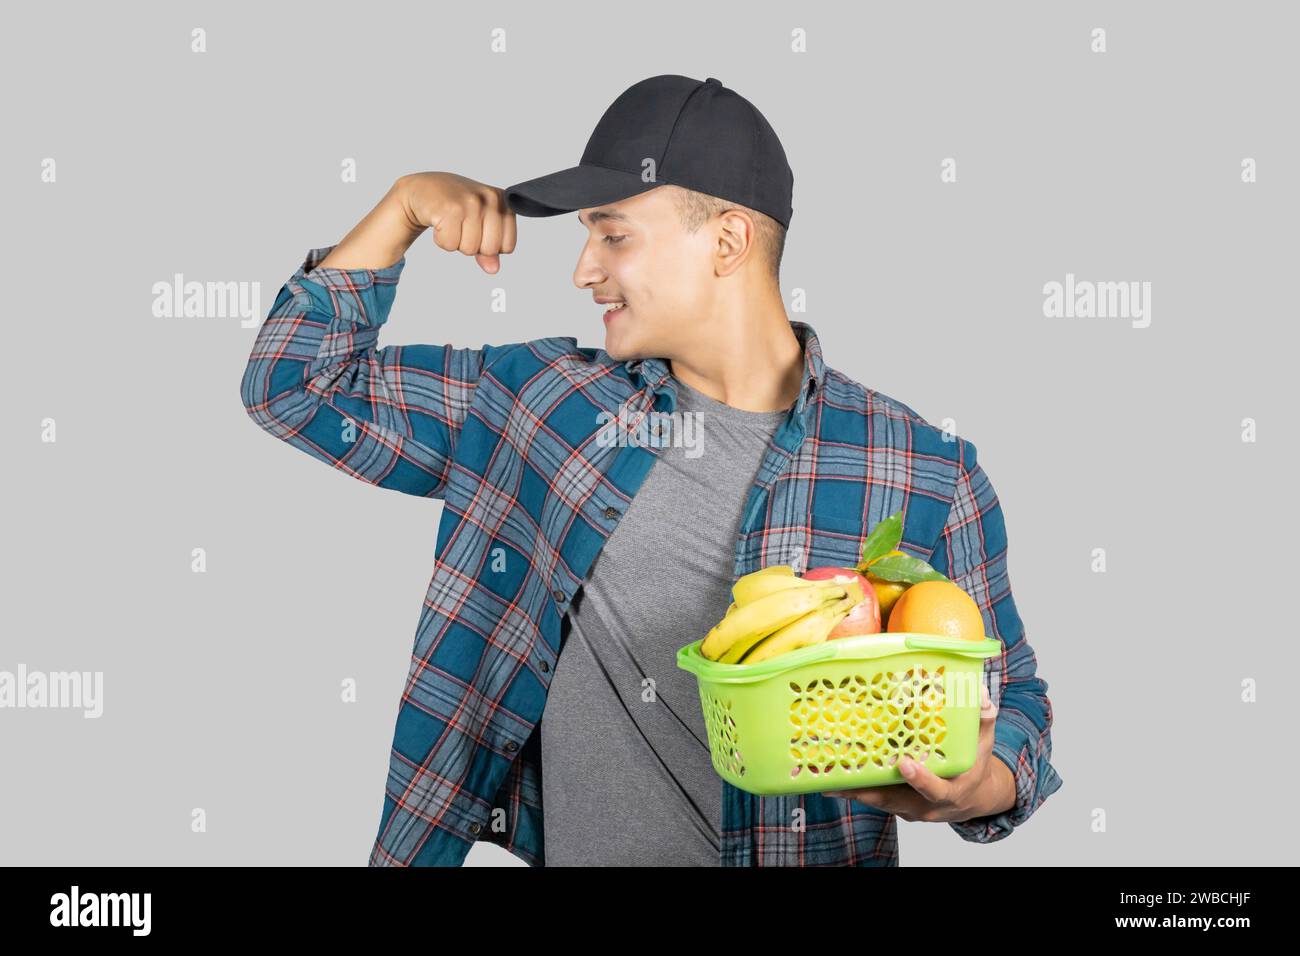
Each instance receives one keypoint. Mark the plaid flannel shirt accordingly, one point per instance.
(505, 436)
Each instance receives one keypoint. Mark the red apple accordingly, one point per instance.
(864, 617)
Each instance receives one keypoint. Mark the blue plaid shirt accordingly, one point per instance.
(506, 436)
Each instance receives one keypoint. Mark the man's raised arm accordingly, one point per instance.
(316, 379)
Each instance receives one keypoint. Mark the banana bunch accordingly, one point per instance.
(774, 611)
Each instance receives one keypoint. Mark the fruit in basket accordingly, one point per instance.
(887, 592)
(863, 617)
(741, 629)
(892, 554)
(759, 584)
(813, 628)
(940, 608)
(887, 595)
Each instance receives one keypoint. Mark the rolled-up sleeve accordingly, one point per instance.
(972, 552)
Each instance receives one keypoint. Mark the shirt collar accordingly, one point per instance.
(655, 374)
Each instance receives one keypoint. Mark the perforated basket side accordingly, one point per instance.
(845, 722)
(870, 717)
(724, 739)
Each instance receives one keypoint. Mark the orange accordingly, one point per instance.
(940, 608)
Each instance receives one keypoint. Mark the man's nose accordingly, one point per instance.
(587, 273)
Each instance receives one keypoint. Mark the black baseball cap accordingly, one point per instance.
(670, 129)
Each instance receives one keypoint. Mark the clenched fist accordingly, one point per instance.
(465, 216)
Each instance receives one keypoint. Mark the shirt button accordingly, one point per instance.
(475, 828)
(558, 594)
(545, 667)
(511, 746)
(611, 512)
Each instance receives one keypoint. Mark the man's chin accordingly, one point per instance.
(618, 350)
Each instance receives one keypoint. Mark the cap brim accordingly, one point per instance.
(578, 187)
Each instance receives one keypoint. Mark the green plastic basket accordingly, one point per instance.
(839, 714)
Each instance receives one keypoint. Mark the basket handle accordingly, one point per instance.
(980, 648)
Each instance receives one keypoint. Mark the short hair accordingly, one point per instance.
(694, 209)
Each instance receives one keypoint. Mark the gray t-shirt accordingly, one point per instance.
(626, 774)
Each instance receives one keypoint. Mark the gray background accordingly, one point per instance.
(222, 689)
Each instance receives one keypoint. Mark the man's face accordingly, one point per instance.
(637, 252)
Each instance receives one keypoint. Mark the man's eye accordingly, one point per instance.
(614, 240)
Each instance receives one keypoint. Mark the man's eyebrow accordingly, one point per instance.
(597, 215)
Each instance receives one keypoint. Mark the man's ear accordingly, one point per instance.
(737, 240)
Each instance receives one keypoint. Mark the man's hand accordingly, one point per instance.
(987, 788)
(465, 216)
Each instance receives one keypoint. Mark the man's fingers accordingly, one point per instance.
(900, 801)
(924, 780)
(988, 722)
(988, 709)
(872, 797)
(921, 782)
(471, 232)
(508, 231)
(497, 232)
(924, 787)
(498, 225)
(446, 234)
(490, 244)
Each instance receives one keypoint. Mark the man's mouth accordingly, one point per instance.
(613, 309)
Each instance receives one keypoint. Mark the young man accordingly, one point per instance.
(544, 710)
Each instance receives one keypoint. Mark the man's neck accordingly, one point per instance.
(757, 367)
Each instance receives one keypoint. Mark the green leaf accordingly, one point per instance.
(883, 538)
(905, 569)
